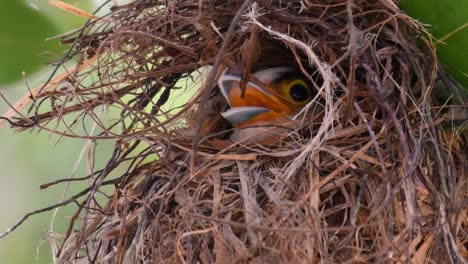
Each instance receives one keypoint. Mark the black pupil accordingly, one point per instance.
(299, 93)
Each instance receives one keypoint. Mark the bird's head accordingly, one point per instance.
(271, 97)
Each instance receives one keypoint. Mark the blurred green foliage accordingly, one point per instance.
(448, 20)
(28, 160)
(24, 28)
(22, 38)
(60, 19)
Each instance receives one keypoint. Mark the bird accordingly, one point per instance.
(271, 98)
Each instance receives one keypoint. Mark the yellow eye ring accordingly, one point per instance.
(298, 92)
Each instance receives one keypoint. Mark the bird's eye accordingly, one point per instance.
(299, 91)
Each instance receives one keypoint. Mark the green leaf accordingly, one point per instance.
(63, 20)
(448, 21)
(23, 32)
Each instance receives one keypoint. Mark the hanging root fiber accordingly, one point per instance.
(373, 171)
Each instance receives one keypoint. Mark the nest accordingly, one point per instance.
(374, 175)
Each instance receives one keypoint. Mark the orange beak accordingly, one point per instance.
(260, 104)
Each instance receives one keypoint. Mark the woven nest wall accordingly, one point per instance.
(370, 175)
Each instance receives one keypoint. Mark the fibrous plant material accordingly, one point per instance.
(371, 175)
